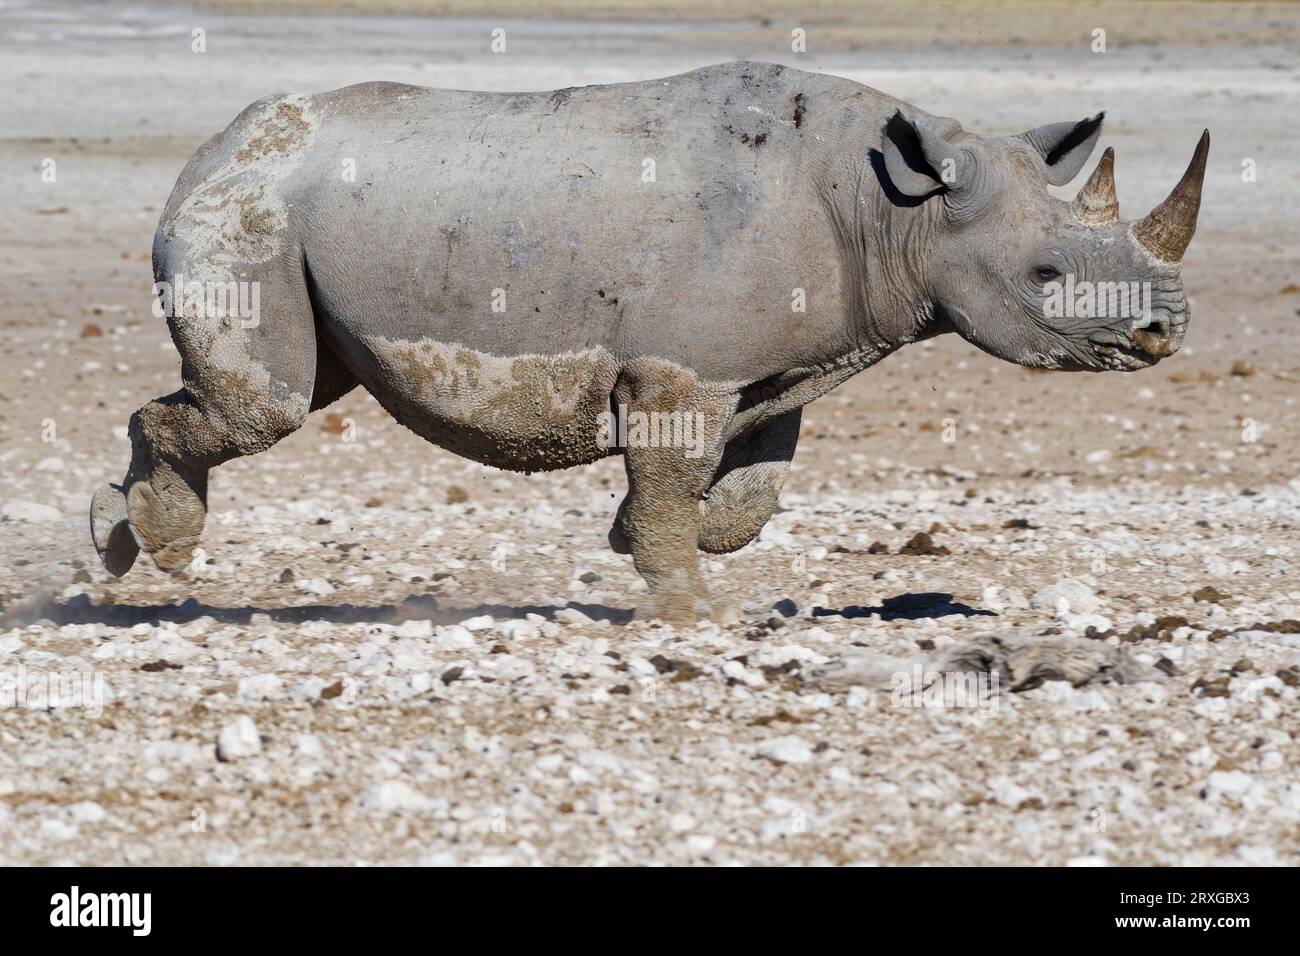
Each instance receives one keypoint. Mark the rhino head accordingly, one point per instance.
(1033, 279)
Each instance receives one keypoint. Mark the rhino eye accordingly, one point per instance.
(1047, 273)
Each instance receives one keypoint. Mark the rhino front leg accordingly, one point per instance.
(745, 492)
(673, 449)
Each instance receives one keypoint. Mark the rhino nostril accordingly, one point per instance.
(1154, 338)
(1152, 326)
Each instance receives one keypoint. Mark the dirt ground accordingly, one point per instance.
(387, 654)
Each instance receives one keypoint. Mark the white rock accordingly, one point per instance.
(516, 630)
(1081, 622)
(572, 616)
(30, 511)
(261, 687)
(54, 829)
(454, 637)
(700, 844)
(1009, 793)
(393, 796)
(738, 671)
(415, 629)
(482, 622)
(787, 749)
(1066, 595)
(1234, 785)
(238, 739)
(87, 811)
(1258, 856)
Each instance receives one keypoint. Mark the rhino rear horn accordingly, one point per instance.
(1064, 147)
(1168, 229)
(1096, 204)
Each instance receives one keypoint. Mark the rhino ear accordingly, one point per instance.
(918, 161)
(1065, 147)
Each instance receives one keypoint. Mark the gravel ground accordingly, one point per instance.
(386, 654)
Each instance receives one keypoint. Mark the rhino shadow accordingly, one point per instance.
(909, 607)
(80, 610)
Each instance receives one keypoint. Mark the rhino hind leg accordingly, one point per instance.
(245, 388)
(161, 506)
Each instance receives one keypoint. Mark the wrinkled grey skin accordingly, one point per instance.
(664, 293)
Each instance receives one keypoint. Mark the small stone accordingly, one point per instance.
(55, 829)
(572, 616)
(1232, 785)
(87, 811)
(415, 629)
(787, 749)
(454, 637)
(238, 739)
(785, 607)
(922, 544)
(700, 844)
(261, 687)
(30, 511)
(393, 796)
(1066, 595)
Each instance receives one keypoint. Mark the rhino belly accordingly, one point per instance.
(522, 413)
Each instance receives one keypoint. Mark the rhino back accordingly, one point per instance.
(543, 204)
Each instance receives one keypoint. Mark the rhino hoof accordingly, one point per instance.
(111, 531)
(162, 528)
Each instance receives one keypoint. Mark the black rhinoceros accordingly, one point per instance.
(668, 270)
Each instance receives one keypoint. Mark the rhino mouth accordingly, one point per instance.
(1121, 355)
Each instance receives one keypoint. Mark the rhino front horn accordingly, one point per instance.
(1096, 204)
(1167, 229)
